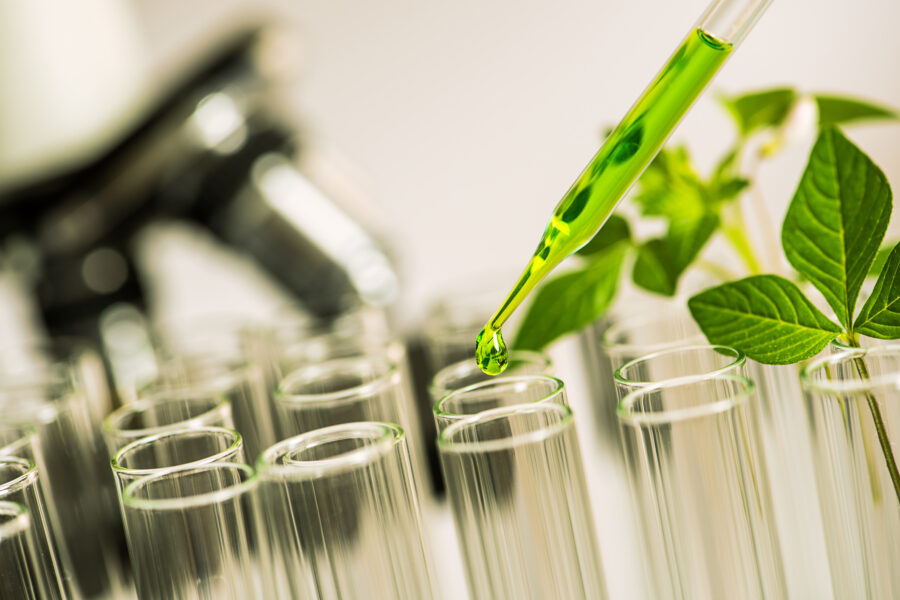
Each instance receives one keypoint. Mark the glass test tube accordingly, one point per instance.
(516, 484)
(21, 576)
(242, 383)
(343, 516)
(19, 483)
(78, 497)
(851, 395)
(348, 390)
(175, 448)
(466, 372)
(625, 339)
(167, 410)
(699, 482)
(191, 533)
(676, 363)
(497, 392)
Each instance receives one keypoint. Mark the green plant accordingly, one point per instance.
(694, 209)
(831, 235)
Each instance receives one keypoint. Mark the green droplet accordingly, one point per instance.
(490, 351)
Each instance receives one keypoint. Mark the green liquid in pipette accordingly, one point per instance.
(624, 155)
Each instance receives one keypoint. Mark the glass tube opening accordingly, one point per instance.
(331, 450)
(338, 380)
(684, 399)
(505, 427)
(498, 392)
(159, 412)
(189, 486)
(14, 520)
(16, 474)
(840, 373)
(467, 372)
(188, 446)
(677, 363)
(731, 20)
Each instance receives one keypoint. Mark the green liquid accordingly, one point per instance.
(615, 167)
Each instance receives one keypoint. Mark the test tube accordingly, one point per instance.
(462, 375)
(191, 533)
(497, 392)
(165, 411)
(347, 390)
(343, 516)
(19, 483)
(79, 497)
(855, 406)
(625, 339)
(516, 484)
(466, 372)
(20, 572)
(242, 383)
(174, 448)
(699, 482)
(676, 363)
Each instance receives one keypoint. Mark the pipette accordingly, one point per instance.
(624, 155)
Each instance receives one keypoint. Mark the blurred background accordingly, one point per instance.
(448, 130)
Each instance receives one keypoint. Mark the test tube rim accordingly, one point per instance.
(468, 365)
(28, 476)
(740, 359)
(382, 380)
(539, 435)
(559, 387)
(856, 386)
(194, 501)
(115, 462)
(389, 435)
(629, 418)
(108, 425)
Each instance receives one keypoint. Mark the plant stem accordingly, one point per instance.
(880, 430)
(737, 236)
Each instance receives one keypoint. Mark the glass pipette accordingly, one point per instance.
(625, 154)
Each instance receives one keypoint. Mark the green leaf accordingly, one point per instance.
(725, 165)
(615, 230)
(836, 221)
(571, 301)
(766, 317)
(834, 110)
(670, 188)
(880, 315)
(727, 189)
(881, 259)
(762, 109)
(661, 262)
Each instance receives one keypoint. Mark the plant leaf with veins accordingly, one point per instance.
(766, 317)
(836, 221)
(880, 315)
